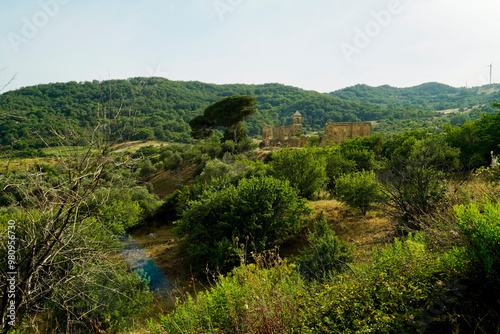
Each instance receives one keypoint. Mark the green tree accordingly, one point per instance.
(228, 112)
(147, 170)
(358, 190)
(258, 212)
(413, 177)
(476, 140)
(305, 169)
(64, 247)
(337, 165)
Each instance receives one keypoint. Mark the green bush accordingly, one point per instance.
(147, 170)
(414, 175)
(389, 294)
(303, 168)
(264, 209)
(336, 165)
(358, 190)
(481, 229)
(232, 170)
(254, 298)
(328, 254)
(120, 210)
(173, 162)
(214, 169)
(114, 301)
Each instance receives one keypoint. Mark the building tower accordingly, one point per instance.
(297, 122)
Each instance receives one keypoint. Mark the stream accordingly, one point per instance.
(137, 260)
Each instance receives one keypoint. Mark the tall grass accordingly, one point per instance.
(254, 298)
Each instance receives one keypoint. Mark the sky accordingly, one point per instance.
(321, 45)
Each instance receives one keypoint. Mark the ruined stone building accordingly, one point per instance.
(336, 133)
(292, 136)
(281, 136)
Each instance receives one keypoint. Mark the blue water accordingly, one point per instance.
(138, 261)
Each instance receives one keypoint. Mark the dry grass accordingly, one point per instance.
(167, 182)
(364, 232)
(132, 146)
(24, 164)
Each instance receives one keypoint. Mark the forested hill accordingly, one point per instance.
(157, 108)
(430, 96)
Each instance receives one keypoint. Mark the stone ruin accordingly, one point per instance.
(281, 136)
(335, 133)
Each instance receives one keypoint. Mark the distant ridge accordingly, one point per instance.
(160, 109)
(427, 96)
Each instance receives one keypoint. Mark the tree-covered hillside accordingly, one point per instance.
(157, 108)
(430, 96)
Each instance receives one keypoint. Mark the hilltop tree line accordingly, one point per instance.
(160, 109)
(430, 96)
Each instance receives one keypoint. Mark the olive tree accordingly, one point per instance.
(63, 250)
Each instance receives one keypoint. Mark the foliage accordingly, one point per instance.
(173, 162)
(232, 171)
(476, 140)
(413, 176)
(67, 233)
(122, 208)
(399, 290)
(147, 170)
(481, 229)
(359, 151)
(32, 113)
(358, 190)
(254, 298)
(259, 211)
(337, 165)
(428, 96)
(390, 294)
(229, 113)
(304, 169)
(328, 254)
(112, 301)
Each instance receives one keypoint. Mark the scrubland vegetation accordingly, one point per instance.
(260, 259)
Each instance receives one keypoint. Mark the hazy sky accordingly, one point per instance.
(316, 44)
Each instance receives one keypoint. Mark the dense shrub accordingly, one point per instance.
(147, 170)
(303, 168)
(232, 170)
(173, 162)
(328, 254)
(120, 210)
(403, 289)
(113, 302)
(476, 139)
(214, 169)
(358, 190)
(265, 210)
(391, 294)
(481, 228)
(336, 165)
(414, 175)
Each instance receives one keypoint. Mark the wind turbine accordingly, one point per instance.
(491, 70)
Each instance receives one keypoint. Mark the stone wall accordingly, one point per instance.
(281, 136)
(335, 133)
